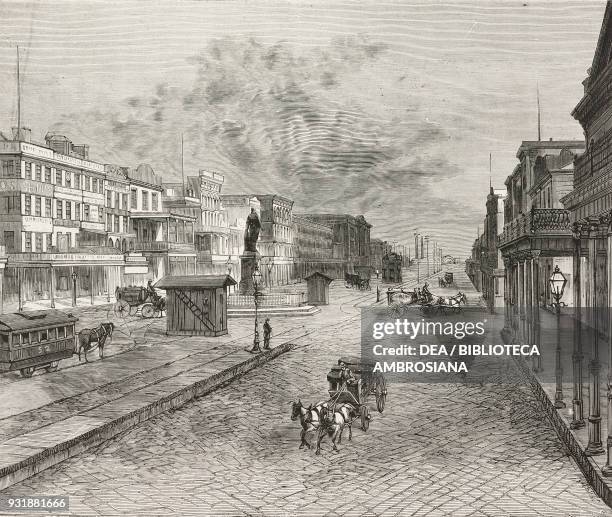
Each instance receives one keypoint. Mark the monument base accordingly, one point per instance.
(248, 261)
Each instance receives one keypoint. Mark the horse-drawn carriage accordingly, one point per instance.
(36, 340)
(132, 299)
(444, 304)
(352, 381)
(447, 280)
(359, 280)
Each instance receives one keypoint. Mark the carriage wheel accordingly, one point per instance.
(27, 372)
(52, 367)
(381, 395)
(365, 418)
(147, 310)
(121, 309)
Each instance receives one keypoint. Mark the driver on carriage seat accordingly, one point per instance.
(151, 290)
(346, 376)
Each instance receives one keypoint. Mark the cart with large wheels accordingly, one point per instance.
(362, 384)
(133, 300)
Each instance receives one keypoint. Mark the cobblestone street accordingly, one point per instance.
(464, 449)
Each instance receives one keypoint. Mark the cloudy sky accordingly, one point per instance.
(387, 109)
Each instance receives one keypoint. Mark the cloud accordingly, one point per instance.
(275, 119)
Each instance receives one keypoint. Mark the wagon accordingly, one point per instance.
(132, 299)
(367, 384)
(34, 340)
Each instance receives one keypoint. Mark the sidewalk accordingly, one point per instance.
(544, 386)
(48, 418)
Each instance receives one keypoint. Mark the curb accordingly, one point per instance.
(40, 461)
(589, 468)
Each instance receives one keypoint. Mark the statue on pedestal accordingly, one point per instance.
(251, 232)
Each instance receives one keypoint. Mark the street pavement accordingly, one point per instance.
(476, 447)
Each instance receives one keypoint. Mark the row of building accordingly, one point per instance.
(556, 210)
(67, 219)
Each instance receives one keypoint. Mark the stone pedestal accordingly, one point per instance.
(248, 261)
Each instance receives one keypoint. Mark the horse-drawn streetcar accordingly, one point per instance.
(35, 339)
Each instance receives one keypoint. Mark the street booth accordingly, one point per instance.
(196, 305)
(318, 288)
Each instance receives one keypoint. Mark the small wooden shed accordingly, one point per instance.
(318, 288)
(196, 305)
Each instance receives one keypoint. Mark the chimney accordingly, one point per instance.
(25, 135)
(81, 150)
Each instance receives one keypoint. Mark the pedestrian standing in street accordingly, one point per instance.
(267, 332)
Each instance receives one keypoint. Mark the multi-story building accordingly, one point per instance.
(275, 243)
(51, 208)
(537, 233)
(472, 264)
(313, 249)
(491, 262)
(117, 208)
(351, 238)
(590, 211)
(162, 233)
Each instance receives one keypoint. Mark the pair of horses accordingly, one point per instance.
(325, 420)
(90, 339)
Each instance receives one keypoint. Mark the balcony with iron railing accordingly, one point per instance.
(162, 246)
(537, 222)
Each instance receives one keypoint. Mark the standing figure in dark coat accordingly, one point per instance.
(267, 328)
(251, 232)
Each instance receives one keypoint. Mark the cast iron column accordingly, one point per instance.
(594, 446)
(607, 469)
(577, 356)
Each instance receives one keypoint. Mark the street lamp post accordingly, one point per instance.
(74, 288)
(256, 283)
(557, 283)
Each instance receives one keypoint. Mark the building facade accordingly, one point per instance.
(313, 248)
(275, 243)
(491, 262)
(351, 238)
(52, 211)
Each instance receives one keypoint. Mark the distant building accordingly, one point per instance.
(313, 247)
(276, 239)
(377, 252)
(351, 238)
(491, 262)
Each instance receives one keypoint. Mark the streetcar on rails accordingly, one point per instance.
(32, 340)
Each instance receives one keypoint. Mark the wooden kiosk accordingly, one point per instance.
(196, 305)
(318, 288)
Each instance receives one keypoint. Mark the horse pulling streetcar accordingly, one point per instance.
(36, 340)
